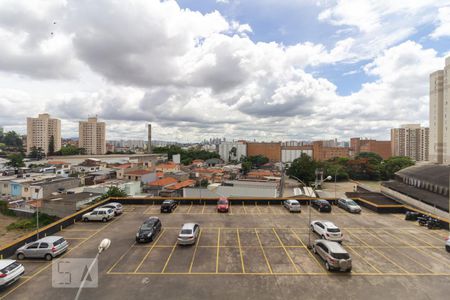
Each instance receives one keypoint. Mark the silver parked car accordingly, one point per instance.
(349, 205)
(48, 248)
(10, 272)
(188, 234)
(334, 255)
(292, 205)
(115, 206)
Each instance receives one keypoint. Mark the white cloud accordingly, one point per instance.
(443, 28)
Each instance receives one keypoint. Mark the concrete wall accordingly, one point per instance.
(271, 150)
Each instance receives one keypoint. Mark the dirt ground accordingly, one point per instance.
(5, 235)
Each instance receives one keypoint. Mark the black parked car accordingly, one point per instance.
(321, 205)
(412, 216)
(168, 206)
(148, 230)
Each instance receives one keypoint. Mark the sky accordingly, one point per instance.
(261, 70)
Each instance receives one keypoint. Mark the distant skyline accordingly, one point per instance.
(254, 69)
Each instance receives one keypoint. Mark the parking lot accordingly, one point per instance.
(254, 251)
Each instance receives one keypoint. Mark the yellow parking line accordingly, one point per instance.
(380, 253)
(150, 250)
(168, 258)
(264, 252)
(309, 252)
(418, 249)
(243, 205)
(440, 238)
(284, 274)
(190, 207)
(415, 237)
(240, 250)
(258, 209)
(195, 250)
(285, 250)
(64, 254)
(147, 211)
(364, 259)
(229, 207)
(218, 249)
(402, 253)
(203, 209)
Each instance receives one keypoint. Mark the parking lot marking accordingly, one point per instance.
(195, 251)
(245, 210)
(190, 207)
(436, 238)
(147, 211)
(259, 210)
(168, 258)
(380, 253)
(150, 250)
(356, 252)
(285, 250)
(413, 246)
(402, 253)
(218, 249)
(309, 252)
(120, 258)
(264, 252)
(62, 255)
(203, 209)
(240, 250)
(229, 207)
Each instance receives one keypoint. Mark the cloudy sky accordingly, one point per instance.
(253, 69)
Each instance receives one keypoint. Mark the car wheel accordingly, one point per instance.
(447, 248)
(85, 219)
(48, 257)
(314, 250)
(349, 270)
(20, 256)
(327, 266)
(104, 219)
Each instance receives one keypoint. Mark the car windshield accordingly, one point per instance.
(186, 231)
(223, 201)
(57, 242)
(295, 203)
(9, 267)
(333, 230)
(340, 255)
(147, 226)
(351, 203)
(166, 202)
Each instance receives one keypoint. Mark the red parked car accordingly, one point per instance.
(223, 205)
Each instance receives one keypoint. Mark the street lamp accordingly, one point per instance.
(104, 244)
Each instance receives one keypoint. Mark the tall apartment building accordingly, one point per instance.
(440, 115)
(230, 151)
(411, 140)
(41, 131)
(92, 136)
(382, 148)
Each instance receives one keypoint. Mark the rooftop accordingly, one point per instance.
(163, 182)
(139, 172)
(182, 184)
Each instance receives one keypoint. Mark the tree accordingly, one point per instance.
(15, 160)
(333, 169)
(394, 164)
(363, 169)
(114, 191)
(36, 153)
(12, 139)
(303, 168)
(246, 167)
(51, 146)
(372, 157)
(187, 156)
(204, 183)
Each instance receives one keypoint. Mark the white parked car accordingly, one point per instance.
(188, 234)
(447, 244)
(327, 230)
(115, 206)
(10, 271)
(292, 205)
(99, 214)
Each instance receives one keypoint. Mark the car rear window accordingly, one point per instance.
(333, 230)
(223, 201)
(58, 242)
(10, 267)
(186, 231)
(340, 255)
(295, 203)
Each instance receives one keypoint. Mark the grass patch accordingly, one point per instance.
(30, 223)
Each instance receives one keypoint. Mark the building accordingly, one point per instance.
(322, 153)
(410, 140)
(440, 115)
(232, 151)
(270, 150)
(291, 152)
(143, 175)
(42, 132)
(92, 136)
(382, 148)
(149, 140)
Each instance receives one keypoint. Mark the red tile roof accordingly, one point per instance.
(138, 172)
(123, 166)
(181, 185)
(163, 182)
(57, 162)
